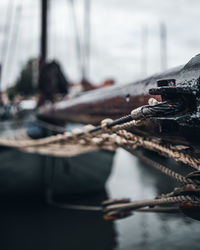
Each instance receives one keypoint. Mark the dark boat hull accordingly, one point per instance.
(117, 101)
(113, 102)
(30, 174)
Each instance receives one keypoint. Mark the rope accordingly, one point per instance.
(160, 210)
(119, 211)
(75, 207)
(145, 203)
(99, 208)
(103, 137)
(110, 135)
(163, 169)
(163, 150)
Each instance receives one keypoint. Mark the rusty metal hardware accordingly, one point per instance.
(194, 176)
(188, 189)
(114, 215)
(161, 109)
(117, 215)
(115, 201)
(190, 209)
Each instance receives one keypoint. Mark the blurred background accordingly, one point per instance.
(126, 39)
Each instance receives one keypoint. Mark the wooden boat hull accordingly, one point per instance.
(113, 102)
(179, 86)
(31, 174)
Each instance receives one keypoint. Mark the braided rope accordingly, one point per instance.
(163, 169)
(107, 138)
(164, 150)
(148, 203)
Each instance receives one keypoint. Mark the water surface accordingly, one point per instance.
(32, 224)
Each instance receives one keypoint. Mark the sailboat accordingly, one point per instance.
(26, 174)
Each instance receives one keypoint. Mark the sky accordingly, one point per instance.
(117, 43)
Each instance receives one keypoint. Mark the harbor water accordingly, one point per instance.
(32, 224)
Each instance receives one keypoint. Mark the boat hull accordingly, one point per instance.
(32, 174)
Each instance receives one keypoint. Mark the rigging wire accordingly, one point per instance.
(82, 45)
(15, 36)
(87, 7)
(77, 39)
(52, 31)
(5, 42)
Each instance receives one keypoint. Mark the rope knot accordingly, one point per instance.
(87, 128)
(67, 135)
(104, 124)
(75, 132)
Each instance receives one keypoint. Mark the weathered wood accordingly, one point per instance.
(117, 101)
(113, 102)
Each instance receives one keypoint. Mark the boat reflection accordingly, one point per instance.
(27, 224)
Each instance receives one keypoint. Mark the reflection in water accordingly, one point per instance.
(35, 225)
(144, 232)
(131, 178)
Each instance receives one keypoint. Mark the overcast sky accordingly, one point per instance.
(116, 35)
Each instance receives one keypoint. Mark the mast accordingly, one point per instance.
(86, 52)
(82, 45)
(43, 41)
(86, 45)
(77, 38)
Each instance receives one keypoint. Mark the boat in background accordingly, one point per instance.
(28, 174)
(33, 174)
